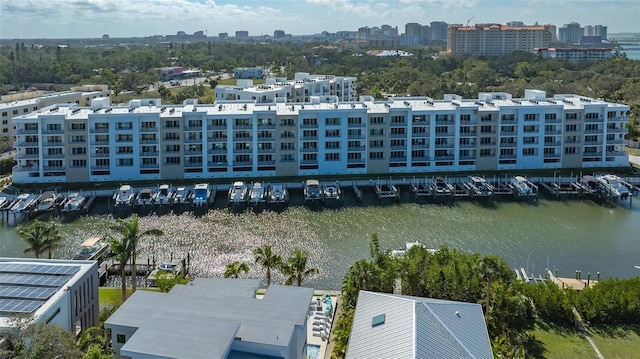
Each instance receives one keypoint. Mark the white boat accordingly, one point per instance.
(479, 186)
(201, 194)
(257, 194)
(238, 192)
(440, 186)
(401, 252)
(3, 201)
(145, 197)
(74, 202)
(522, 186)
(124, 196)
(278, 194)
(331, 192)
(615, 186)
(182, 195)
(25, 200)
(92, 249)
(590, 184)
(312, 190)
(164, 195)
(47, 200)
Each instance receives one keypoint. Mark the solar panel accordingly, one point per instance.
(41, 280)
(7, 267)
(22, 292)
(19, 305)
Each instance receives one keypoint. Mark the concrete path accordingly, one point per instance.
(634, 160)
(582, 329)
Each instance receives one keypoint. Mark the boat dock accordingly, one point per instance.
(357, 191)
(387, 190)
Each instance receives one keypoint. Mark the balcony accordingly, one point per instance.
(26, 155)
(552, 144)
(552, 132)
(94, 142)
(508, 156)
(616, 130)
(53, 144)
(149, 142)
(552, 155)
(193, 128)
(101, 154)
(242, 163)
(266, 150)
(98, 130)
(508, 133)
(468, 134)
(242, 150)
(150, 153)
(268, 126)
(420, 158)
(508, 144)
(53, 155)
(26, 169)
(77, 130)
(598, 130)
(100, 167)
(53, 131)
(193, 140)
(193, 164)
(25, 132)
(193, 153)
(309, 149)
(444, 157)
(53, 168)
(148, 129)
(444, 145)
(267, 163)
(364, 148)
(149, 165)
(467, 145)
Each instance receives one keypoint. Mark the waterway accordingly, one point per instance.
(564, 235)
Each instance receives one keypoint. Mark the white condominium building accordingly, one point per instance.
(300, 89)
(19, 104)
(149, 141)
(496, 39)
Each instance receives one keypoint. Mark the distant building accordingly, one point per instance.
(576, 54)
(242, 35)
(397, 326)
(105, 37)
(278, 34)
(515, 23)
(412, 29)
(496, 39)
(223, 35)
(248, 73)
(570, 33)
(439, 30)
(213, 318)
(49, 291)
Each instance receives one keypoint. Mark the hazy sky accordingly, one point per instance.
(122, 18)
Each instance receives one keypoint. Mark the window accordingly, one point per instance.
(465, 118)
(376, 143)
(332, 144)
(397, 120)
(486, 152)
(529, 140)
(591, 115)
(287, 122)
(219, 122)
(571, 128)
(507, 118)
(530, 116)
(310, 122)
(242, 122)
(332, 121)
(376, 132)
(310, 157)
(78, 163)
(287, 146)
(120, 338)
(172, 160)
(376, 155)
(310, 133)
(549, 116)
(376, 120)
(287, 134)
(124, 125)
(570, 150)
(125, 162)
(78, 126)
(571, 116)
(529, 151)
(127, 138)
(332, 133)
(398, 131)
(418, 130)
(354, 121)
(78, 150)
(530, 129)
(332, 156)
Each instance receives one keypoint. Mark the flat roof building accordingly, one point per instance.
(22, 103)
(279, 89)
(213, 318)
(576, 54)
(496, 39)
(229, 139)
(50, 291)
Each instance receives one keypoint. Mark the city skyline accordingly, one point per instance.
(122, 18)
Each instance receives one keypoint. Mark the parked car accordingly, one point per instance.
(174, 83)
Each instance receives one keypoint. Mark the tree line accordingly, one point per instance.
(511, 307)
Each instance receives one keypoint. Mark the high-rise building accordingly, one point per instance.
(601, 30)
(242, 35)
(571, 33)
(412, 29)
(278, 34)
(515, 23)
(496, 39)
(439, 30)
(223, 35)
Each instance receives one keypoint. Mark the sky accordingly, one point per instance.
(29, 19)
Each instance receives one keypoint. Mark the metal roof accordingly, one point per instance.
(417, 327)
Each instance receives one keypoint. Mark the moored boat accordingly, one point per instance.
(278, 194)
(201, 194)
(615, 186)
(439, 186)
(312, 190)
(145, 197)
(125, 196)
(73, 202)
(47, 200)
(164, 195)
(238, 193)
(479, 187)
(24, 201)
(92, 249)
(181, 195)
(257, 194)
(522, 187)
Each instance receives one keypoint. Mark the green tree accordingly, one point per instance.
(42, 341)
(165, 280)
(130, 236)
(41, 237)
(234, 269)
(296, 268)
(268, 260)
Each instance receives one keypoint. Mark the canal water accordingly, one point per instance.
(565, 235)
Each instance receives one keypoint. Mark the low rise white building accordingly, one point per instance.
(20, 104)
(575, 54)
(231, 139)
(248, 73)
(300, 89)
(51, 291)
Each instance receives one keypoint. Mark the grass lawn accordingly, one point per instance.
(113, 296)
(555, 342)
(632, 151)
(617, 342)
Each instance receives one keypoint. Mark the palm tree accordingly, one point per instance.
(41, 236)
(130, 235)
(234, 269)
(296, 269)
(121, 254)
(268, 260)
